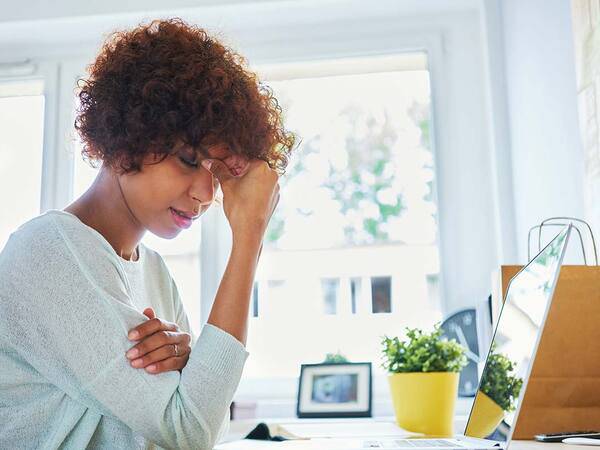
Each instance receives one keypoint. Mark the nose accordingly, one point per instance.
(203, 187)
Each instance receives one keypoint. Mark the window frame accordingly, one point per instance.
(47, 71)
(443, 52)
(448, 38)
(28, 71)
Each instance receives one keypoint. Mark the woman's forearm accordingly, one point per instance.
(232, 302)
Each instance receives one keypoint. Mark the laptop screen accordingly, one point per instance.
(514, 344)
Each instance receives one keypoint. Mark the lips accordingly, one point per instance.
(181, 220)
(182, 213)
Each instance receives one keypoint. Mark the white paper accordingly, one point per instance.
(344, 429)
(247, 444)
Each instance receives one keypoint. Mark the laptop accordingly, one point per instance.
(516, 337)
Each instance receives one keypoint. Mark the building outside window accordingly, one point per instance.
(355, 294)
(330, 288)
(381, 294)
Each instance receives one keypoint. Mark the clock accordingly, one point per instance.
(462, 326)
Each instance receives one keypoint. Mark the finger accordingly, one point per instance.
(237, 164)
(149, 327)
(157, 340)
(167, 365)
(218, 169)
(149, 312)
(161, 353)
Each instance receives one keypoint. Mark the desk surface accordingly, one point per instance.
(534, 445)
(299, 445)
(239, 429)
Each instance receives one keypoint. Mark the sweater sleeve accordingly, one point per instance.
(184, 323)
(66, 307)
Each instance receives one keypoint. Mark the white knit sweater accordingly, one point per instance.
(67, 301)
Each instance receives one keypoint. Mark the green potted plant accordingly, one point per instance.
(424, 370)
(498, 394)
(335, 358)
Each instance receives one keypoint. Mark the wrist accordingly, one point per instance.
(249, 244)
(247, 238)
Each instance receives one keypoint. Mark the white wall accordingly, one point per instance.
(545, 145)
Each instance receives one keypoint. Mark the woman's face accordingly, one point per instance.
(179, 182)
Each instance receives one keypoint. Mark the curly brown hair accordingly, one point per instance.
(169, 81)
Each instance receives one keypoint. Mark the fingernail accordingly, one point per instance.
(206, 163)
(132, 353)
(151, 367)
(136, 363)
(133, 334)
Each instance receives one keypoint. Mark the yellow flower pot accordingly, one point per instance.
(424, 401)
(488, 417)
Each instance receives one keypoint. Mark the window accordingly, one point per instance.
(357, 215)
(355, 294)
(330, 288)
(297, 334)
(22, 129)
(381, 294)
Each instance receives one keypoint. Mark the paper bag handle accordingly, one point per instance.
(545, 223)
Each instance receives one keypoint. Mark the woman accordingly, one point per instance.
(170, 113)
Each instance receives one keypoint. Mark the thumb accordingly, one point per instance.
(150, 313)
(218, 169)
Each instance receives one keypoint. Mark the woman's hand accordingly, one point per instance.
(161, 347)
(250, 195)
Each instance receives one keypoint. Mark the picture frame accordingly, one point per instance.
(335, 390)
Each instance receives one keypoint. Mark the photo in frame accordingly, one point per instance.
(332, 390)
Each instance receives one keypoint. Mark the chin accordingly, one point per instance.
(168, 233)
(171, 234)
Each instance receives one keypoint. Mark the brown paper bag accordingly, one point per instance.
(563, 393)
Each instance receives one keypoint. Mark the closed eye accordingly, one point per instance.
(189, 163)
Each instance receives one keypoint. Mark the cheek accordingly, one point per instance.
(156, 187)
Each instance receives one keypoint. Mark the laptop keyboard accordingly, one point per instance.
(409, 443)
(424, 443)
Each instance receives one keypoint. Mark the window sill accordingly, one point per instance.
(282, 409)
(239, 428)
